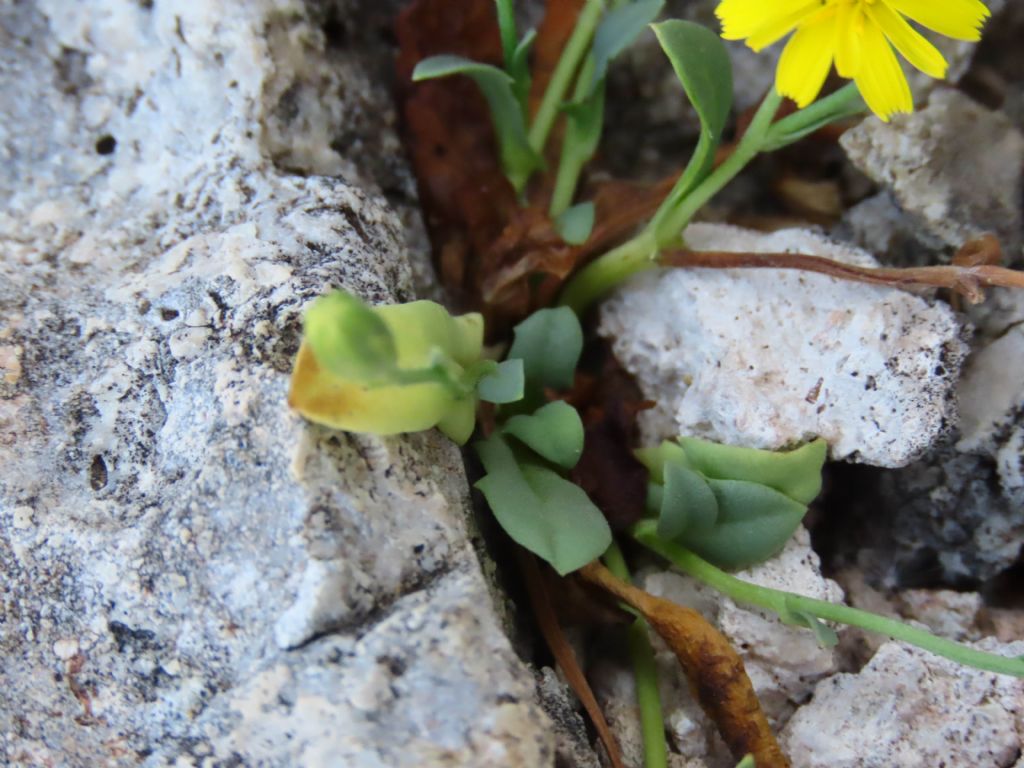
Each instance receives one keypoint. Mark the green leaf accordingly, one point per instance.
(655, 497)
(656, 458)
(754, 523)
(504, 385)
(618, 30)
(507, 28)
(747, 762)
(702, 64)
(555, 431)
(795, 473)
(576, 223)
(583, 125)
(520, 70)
(549, 343)
(349, 339)
(517, 157)
(542, 511)
(688, 505)
(823, 633)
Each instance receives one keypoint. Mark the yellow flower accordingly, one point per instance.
(858, 35)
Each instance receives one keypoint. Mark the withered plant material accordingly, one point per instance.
(608, 403)
(715, 671)
(493, 255)
(565, 657)
(968, 278)
(532, 261)
(447, 129)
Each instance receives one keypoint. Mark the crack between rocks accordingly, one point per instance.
(363, 624)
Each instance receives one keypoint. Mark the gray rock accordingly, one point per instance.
(192, 574)
(909, 708)
(769, 358)
(954, 166)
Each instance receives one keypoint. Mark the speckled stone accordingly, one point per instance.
(193, 575)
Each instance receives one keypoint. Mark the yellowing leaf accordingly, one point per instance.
(335, 402)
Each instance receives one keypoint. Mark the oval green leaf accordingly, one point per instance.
(656, 458)
(504, 385)
(349, 339)
(576, 223)
(688, 505)
(754, 523)
(517, 156)
(702, 64)
(554, 431)
(618, 31)
(549, 343)
(541, 510)
(795, 473)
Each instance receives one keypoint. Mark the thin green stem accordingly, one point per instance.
(652, 720)
(750, 145)
(785, 603)
(843, 103)
(600, 276)
(640, 253)
(561, 78)
(570, 164)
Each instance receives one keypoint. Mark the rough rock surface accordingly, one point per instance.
(769, 358)
(955, 517)
(955, 167)
(911, 709)
(192, 573)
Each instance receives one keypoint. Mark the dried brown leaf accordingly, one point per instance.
(547, 621)
(715, 671)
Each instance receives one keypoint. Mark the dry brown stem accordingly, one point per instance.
(714, 669)
(971, 272)
(564, 655)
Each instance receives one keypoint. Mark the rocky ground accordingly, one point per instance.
(192, 575)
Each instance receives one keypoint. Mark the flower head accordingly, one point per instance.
(858, 36)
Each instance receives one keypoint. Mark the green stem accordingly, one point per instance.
(638, 254)
(600, 276)
(750, 145)
(845, 102)
(561, 78)
(570, 164)
(784, 603)
(652, 720)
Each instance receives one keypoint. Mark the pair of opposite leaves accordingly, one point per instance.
(732, 506)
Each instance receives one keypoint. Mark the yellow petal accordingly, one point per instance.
(334, 402)
(881, 80)
(908, 41)
(770, 33)
(849, 34)
(806, 60)
(745, 18)
(959, 19)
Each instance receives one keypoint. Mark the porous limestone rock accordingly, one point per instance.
(992, 401)
(192, 575)
(955, 517)
(912, 709)
(954, 166)
(768, 358)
